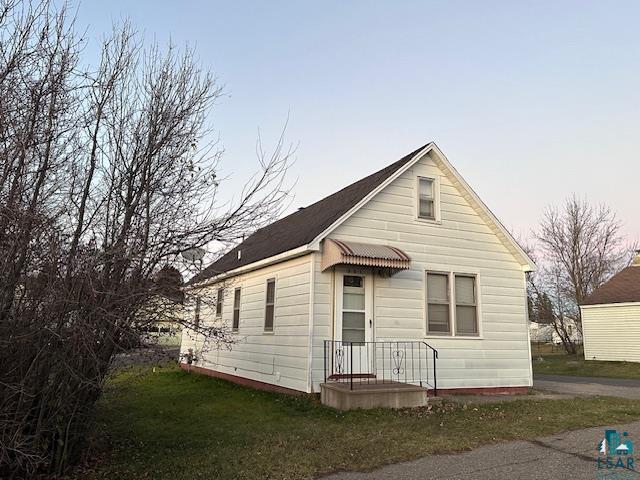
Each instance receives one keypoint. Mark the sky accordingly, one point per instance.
(531, 101)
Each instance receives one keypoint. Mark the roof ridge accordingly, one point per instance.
(301, 226)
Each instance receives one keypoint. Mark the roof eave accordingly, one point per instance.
(265, 262)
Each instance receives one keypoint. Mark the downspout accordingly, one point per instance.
(528, 324)
(312, 277)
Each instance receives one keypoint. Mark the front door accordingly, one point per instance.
(354, 292)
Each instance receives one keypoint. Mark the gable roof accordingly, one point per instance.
(308, 226)
(302, 226)
(623, 287)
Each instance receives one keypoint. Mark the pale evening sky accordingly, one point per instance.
(531, 101)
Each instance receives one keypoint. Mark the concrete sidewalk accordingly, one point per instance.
(570, 455)
(587, 386)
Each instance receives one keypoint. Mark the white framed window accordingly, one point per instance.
(196, 319)
(428, 204)
(270, 304)
(466, 312)
(236, 309)
(219, 302)
(438, 304)
(452, 305)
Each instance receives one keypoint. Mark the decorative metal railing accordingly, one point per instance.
(362, 363)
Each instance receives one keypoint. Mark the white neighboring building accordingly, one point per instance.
(541, 332)
(611, 318)
(405, 259)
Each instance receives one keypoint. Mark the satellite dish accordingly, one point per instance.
(193, 254)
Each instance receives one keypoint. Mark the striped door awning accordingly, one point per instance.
(339, 252)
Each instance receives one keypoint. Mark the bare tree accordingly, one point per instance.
(106, 177)
(581, 247)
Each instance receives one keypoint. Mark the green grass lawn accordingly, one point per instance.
(578, 366)
(172, 424)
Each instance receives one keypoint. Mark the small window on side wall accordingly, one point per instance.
(219, 302)
(236, 310)
(466, 305)
(196, 319)
(270, 305)
(426, 198)
(438, 304)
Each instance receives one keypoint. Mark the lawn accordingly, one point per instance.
(172, 424)
(578, 366)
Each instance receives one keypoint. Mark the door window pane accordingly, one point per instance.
(353, 327)
(353, 309)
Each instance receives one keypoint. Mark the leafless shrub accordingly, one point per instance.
(106, 177)
(580, 246)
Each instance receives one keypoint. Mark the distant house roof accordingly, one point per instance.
(301, 227)
(623, 287)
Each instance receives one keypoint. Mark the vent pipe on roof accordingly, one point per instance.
(239, 254)
(636, 260)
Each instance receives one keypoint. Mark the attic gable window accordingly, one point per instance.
(427, 201)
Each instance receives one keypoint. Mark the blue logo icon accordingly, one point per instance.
(616, 454)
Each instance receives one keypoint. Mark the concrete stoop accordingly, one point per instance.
(340, 396)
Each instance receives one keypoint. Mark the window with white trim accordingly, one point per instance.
(438, 309)
(270, 304)
(219, 302)
(466, 305)
(236, 309)
(452, 304)
(426, 198)
(196, 319)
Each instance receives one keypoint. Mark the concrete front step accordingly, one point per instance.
(341, 396)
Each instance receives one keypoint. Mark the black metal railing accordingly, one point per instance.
(366, 363)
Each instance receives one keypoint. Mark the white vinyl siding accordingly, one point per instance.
(280, 358)
(462, 241)
(611, 332)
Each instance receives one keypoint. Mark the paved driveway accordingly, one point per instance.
(570, 455)
(588, 386)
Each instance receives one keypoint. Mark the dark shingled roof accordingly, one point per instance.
(623, 287)
(301, 227)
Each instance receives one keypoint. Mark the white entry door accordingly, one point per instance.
(354, 295)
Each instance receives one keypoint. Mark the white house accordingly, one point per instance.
(546, 333)
(367, 284)
(611, 318)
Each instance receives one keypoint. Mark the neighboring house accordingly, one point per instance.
(541, 332)
(611, 318)
(368, 283)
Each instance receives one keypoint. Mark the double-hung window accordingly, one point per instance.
(219, 302)
(452, 304)
(269, 309)
(438, 303)
(426, 198)
(236, 309)
(196, 319)
(466, 305)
